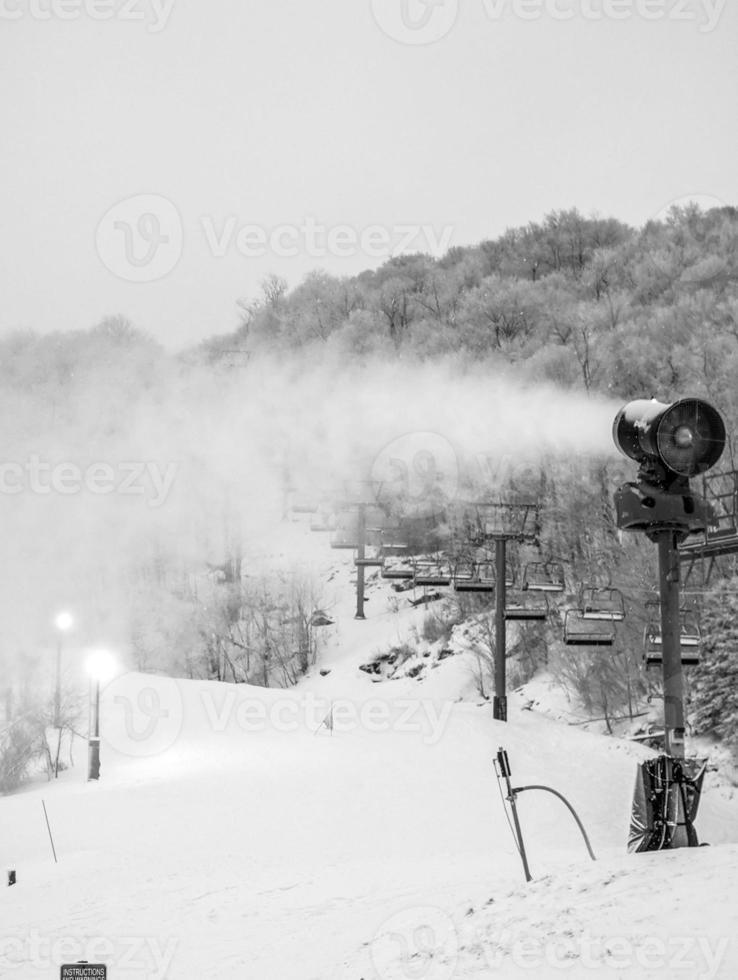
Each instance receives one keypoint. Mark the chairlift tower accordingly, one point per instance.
(503, 522)
(359, 499)
(671, 443)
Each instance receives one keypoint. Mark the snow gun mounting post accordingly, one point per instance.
(671, 443)
(502, 770)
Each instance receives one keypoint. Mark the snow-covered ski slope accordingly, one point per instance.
(233, 836)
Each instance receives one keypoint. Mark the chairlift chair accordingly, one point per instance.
(544, 576)
(522, 607)
(369, 561)
(690, 634)
(344, 538)
(604, 604)
(435, 572)
(322, 520)
(397, 569)
(373, 558)
(346, 533)
(581, 632)
(393, 544)
(689, 641)
(305, 504)
(463, 573)
(479, 578)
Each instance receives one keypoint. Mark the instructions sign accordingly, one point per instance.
(84, 971)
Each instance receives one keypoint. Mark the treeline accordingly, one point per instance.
(582, 302)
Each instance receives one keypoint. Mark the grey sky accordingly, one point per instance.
(323, 138)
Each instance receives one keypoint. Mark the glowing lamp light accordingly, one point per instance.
(101, 665)
(64, 621)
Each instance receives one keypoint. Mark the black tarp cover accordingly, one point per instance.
(665, 802)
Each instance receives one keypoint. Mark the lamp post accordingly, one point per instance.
(64, 621)
(100, 667)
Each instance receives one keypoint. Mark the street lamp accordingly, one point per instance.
(63, 621)
(101, 666)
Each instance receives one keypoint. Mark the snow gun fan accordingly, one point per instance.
(671, 444)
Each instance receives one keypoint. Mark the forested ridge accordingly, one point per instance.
(583, 302)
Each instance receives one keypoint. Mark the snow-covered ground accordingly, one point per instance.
(233, 835)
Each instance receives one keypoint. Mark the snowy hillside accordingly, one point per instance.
(234, 835)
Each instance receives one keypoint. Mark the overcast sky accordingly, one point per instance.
(160, 157)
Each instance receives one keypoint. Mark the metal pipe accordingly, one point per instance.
(548, 789)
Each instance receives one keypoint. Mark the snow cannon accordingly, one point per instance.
(671, 443)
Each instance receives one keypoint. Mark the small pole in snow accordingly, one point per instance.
(502, 767)
(327, 722)
(48, 827)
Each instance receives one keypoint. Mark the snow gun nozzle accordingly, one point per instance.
(503, 763)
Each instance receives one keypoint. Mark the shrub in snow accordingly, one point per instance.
(21, 743)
